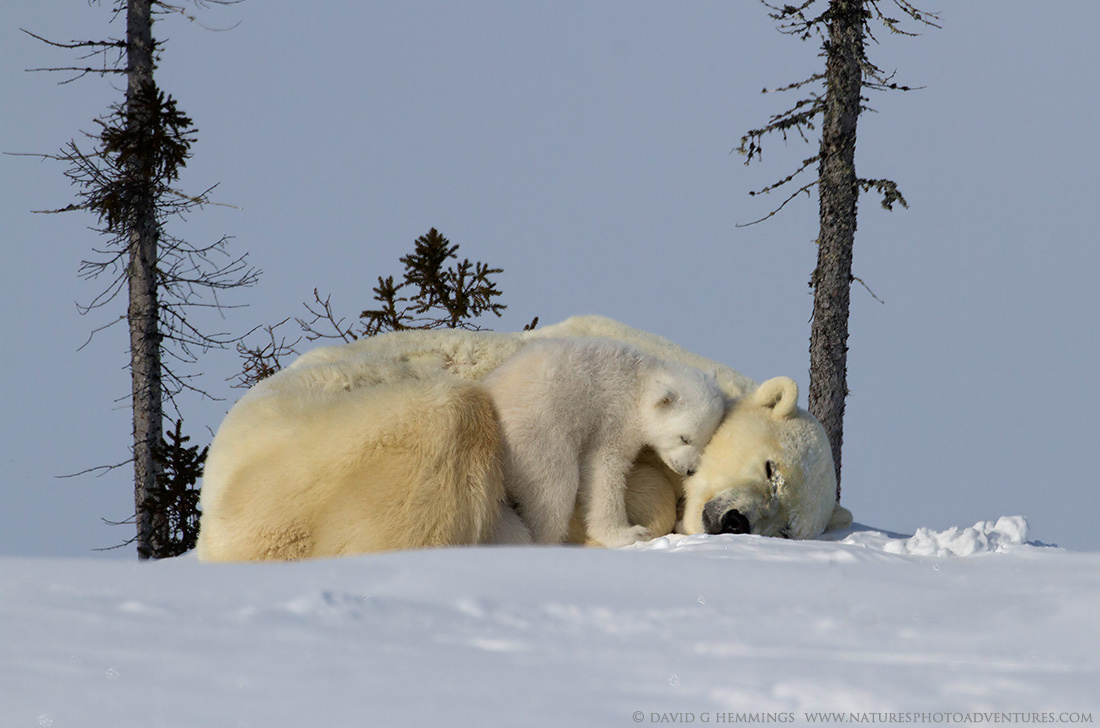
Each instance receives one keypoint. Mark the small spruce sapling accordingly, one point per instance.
(180, 469)
(433, 293)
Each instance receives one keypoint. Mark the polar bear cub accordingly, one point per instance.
(575, 413)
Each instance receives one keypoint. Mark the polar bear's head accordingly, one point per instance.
(768, 470)
(681, 410)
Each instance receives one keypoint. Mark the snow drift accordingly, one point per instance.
(700, 629)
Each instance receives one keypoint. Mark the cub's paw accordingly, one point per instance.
(625, 536)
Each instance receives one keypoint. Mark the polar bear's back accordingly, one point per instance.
(315, 473)
(570, 383)
(473, 354)
(733, 383)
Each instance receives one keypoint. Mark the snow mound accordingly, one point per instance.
(691, 629)
(1004, 534)
(982, 537)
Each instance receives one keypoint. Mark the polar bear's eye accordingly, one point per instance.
(775, 478)
(685, 439)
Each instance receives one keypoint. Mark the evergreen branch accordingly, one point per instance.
(801, 21)
(68, 208)
(792, 119)
(893, 24)
(430, 295)
(874, 79)
(793, 20)
(795, 85)
(887, 188)
(877, 86)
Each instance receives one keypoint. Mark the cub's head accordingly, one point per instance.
(681, 409)
(768, 470)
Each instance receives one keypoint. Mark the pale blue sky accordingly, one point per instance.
(585, 148)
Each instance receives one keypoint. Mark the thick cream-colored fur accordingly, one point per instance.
(387, 443)
(323, 472)
(770, 462)
(473, 354)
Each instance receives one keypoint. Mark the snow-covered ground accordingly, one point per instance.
(968, 625)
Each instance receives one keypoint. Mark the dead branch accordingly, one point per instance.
(776, 185)
(101, 470)
(805, 188)
(867, 288)
(343, 332)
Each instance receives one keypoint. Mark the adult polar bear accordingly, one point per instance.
(390, 443)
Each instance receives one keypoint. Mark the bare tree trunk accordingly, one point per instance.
(127, 183)
(839, 194)
(143, 313)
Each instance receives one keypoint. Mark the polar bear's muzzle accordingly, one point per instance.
(718, 518)
(744, 510)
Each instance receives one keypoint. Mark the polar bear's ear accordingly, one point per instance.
(779, 394)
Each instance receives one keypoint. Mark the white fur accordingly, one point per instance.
(768, 462)
(390, 443)
(575, 413)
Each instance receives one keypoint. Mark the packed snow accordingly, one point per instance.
(969, 625)
(1007, 532)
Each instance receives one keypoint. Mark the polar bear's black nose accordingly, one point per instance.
(690, 472)
(716, 520)
(733, 522)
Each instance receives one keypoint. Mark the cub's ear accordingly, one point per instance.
(779, 394)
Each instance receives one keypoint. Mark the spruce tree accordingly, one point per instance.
(176, 499)
(844, 28)
(433, 293)
(127, 182)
